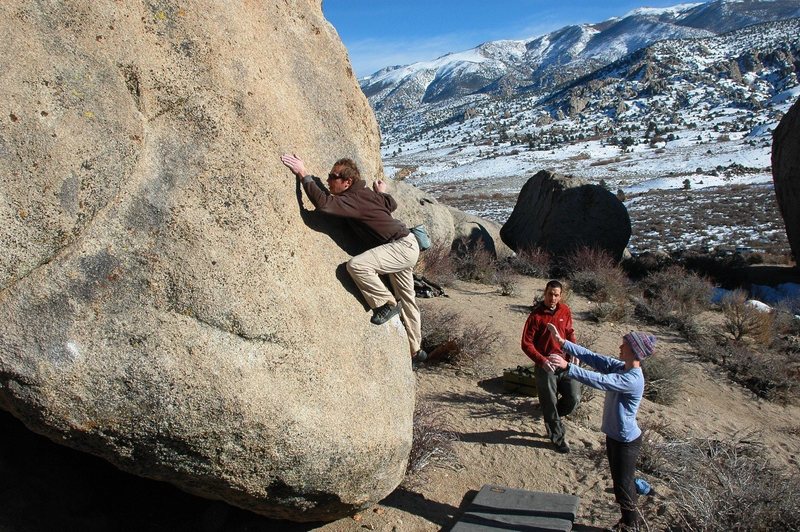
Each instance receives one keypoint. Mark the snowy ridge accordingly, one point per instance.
(686, 114)
(541, 64)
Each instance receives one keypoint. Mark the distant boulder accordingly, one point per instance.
(559, 214)
(473, 232)
(786, 174)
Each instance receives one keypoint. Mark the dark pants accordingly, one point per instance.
(549, 386)
(622, 458)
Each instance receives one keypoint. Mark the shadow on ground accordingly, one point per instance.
(508, 437)
(414, 503)
(46, 487)
(494, 405)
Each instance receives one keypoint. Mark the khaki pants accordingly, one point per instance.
(395, 259)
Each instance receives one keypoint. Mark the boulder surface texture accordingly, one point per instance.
(169, 300)
(786, 174)
(560, 214)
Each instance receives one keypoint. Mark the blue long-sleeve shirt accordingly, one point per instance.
(623, 389)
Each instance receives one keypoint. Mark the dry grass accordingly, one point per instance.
(721, 485)
(432, 444)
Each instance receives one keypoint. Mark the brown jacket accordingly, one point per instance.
(369, 212)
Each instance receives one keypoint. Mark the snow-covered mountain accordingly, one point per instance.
(690, 112)
(539, 65)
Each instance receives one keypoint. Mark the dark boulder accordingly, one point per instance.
(786, 174)
(560, 214)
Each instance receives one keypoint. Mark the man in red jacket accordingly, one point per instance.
(393, 248)
(538, 344)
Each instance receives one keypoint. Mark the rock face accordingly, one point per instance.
(559, 214)
(786, 174)
(169, 302)
(446, 225)
(473, 232)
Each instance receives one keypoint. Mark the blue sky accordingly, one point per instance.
(379, 33)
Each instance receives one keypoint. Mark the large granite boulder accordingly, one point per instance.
(446, 225)
(560, 214)
(169, 301)
(786, 174)
(474, 232)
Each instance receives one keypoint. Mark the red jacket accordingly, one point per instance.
(537, 342)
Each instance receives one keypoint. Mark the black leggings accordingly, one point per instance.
(622, 458)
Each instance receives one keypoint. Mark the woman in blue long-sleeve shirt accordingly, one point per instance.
(623, 381)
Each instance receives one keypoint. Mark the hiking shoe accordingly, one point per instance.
(384, 313)
(418, 358)
(562, 447)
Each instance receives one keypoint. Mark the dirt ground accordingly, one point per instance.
(502, 437)
(501, 440)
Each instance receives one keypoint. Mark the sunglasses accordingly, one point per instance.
(333, 176)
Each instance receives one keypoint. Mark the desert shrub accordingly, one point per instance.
(610, 310)
(663, 377)
(587, 337)
(437, 264)
(762, 373)
(785, 321)
(436, 328)
(743, 319)
(473, 262)
(583, 265)
(504, 278)
(651, 459)
(432, 443)
(446, 336)
(534, 262)
(767, 374)
(594, 273)
(674, 297)
(725, 485)
(640, 266)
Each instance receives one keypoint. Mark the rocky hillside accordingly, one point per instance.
(537, 66)
(665, 83)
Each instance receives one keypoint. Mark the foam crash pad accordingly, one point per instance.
(500, 508)
(520, 380)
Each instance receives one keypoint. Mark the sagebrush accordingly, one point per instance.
(674, 297)
(448, 337)
(723, 485)
(432, 443)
